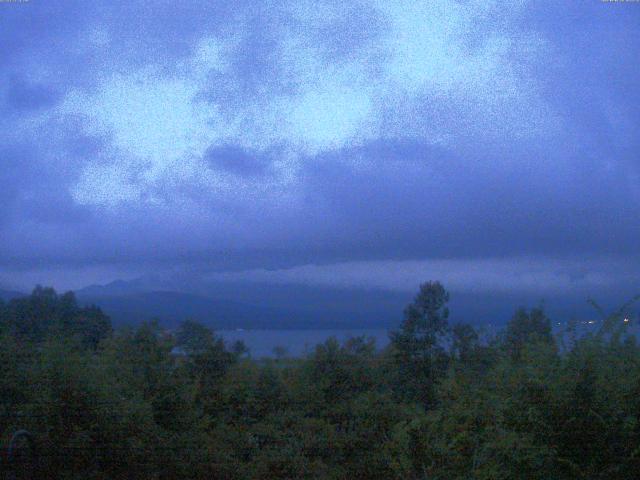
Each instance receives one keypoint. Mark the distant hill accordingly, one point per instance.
(7, 295)
(170, 308)
(229, 305)
(119, 288)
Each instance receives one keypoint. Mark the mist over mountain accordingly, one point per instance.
(247, 305)
(229, 305)
(261, 305)
(7, 295)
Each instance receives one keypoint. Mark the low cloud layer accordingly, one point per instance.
(383, 137)
(486, 276)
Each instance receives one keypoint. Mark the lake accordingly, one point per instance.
(261, 343)
(297, 342)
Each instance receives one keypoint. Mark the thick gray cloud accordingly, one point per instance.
(23, 96)
(237, 160)
(210, 137)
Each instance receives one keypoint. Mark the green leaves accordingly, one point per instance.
(45, 313)
(418, 350)
(438, 403)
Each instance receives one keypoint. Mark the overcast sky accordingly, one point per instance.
(491, 144)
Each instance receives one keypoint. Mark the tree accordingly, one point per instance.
(3, 317)
(239, 348)
(527, 327)
(45, 313)
(193, 337)
(91, 325)
(420, 357)
(464, 341)
(280, 351)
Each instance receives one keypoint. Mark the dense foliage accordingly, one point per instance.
(438, 403)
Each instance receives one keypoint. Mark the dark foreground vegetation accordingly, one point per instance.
(438, 403)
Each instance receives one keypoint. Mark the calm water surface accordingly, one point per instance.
(261, 343)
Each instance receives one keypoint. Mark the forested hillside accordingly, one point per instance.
(438, 403)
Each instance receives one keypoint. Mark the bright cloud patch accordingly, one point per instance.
(430, 71)
(466, 62)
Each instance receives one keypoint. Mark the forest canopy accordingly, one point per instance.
(441, 401)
